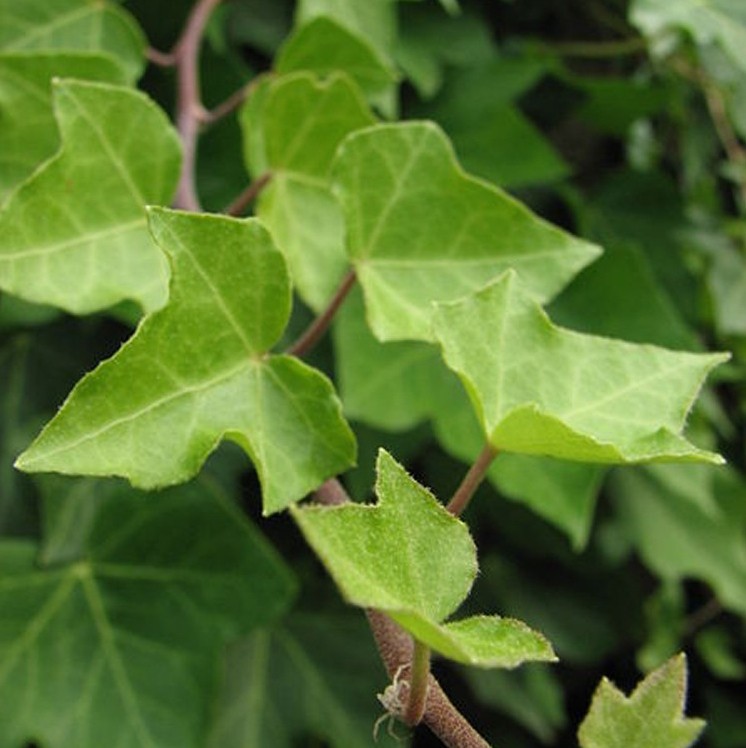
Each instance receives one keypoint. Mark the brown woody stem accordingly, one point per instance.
(239, 205)
(471, 481)
(319, 325)
(190, 112)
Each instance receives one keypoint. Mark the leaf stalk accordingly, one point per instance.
(471, 481)
(419, 672)
(319, 326)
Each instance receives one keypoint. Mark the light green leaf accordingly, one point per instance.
(721, 22)
(73, 26)
(28, 131)
(652, 717)
(483, 641)
(398, 385)
(130, 633)
(299, 122)
(374, 22)
(315, 675)
(307, 223)
(324, 46)
(541, 389)
(412, 559)
(297, 206)
(407, 553)
(75, 234)
(197, 372)
(421, 230)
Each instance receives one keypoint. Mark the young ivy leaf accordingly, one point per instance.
(409, 557)
(541, 389)
(421, 230)
(297, 205)
(652, 717)
(198, 371)
(75, 235)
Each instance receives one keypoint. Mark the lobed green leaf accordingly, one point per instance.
(411, 558)
(540, 389)
(420, 230)
(652, 717)
(197, 372)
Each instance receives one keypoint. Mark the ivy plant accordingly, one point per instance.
(314, 306)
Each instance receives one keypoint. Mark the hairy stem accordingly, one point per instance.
(319, 326)
(419, 672)
(441, 716)
(239, 205)
(471, 481)
(190, 111)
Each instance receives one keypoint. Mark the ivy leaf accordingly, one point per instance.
(73, 26)
(652, 717)
(412, 559)
(421, 230)
(27, 127)
(395, 386)
(314, 675)
(297, 205)
(131, 632)
(324, 46)
(541, 389)
(92, 249)
(197, 371)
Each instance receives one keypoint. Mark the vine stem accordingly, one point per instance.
(239, 205)
(471, 481)
(190, 112)
(318, 327)
(397, 651)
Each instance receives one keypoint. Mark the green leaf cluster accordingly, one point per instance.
(463, 235)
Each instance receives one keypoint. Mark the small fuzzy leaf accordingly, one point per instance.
(412, 559)
(73, 26)
(541, 389)
(482, 641)
(652, 717)
(92, 249)
(196, 372)
(406, 553)
(421, 230)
